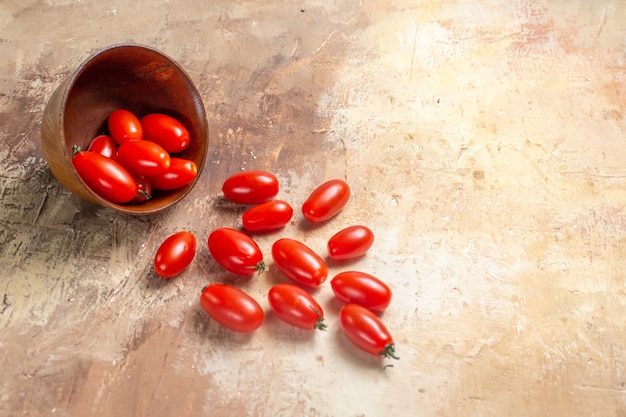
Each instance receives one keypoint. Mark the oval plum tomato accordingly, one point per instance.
(360, 288)
(180, 173)
(349, 243)
(124, 126)
(235, 251)
(299, 263)
(250, 187)
(231, 307)
(166, 131)
(142, 157)
(295, 306)
(175, 254)
(326, 201)
(267, 216)
(366, 330)
(144, 190)
(105, 176)
(104, 145)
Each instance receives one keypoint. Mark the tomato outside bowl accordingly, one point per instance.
(127, 76)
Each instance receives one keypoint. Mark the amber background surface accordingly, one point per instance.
(484, 144)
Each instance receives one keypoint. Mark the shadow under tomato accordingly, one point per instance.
(279, 330)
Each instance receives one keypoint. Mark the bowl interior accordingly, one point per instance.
(141, 80)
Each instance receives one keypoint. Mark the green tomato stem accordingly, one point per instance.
(389, 351)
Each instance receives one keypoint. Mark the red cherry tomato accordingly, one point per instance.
(361, 288)
(350, 243)
(295, 306)
(166, 131)
(124, 126)
(175, 254)
(267, 216)
(250, 187)
(142, 157)
(104, 145)
(366, 330)
(232, 308)
(105, 177)
(180, 173)
(235, 251)
(326, 201)
(299, 263)
(144, 190)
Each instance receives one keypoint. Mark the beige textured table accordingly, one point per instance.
(484, 144)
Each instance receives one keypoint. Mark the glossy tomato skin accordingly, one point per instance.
(326, 201)
(180, 173)
(124, 126)
(267, 216)
(166, 131)
(296, 307)
(299, 263)
(104, 145)
(361, 288)
(366, 330)
(175, 254)
(105, 177)
(142, 157)
(235, 251)
(232, 308)
(350, 243)
(250, 187)
(144, 189)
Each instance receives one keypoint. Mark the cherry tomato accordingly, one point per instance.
(267, 216)
(144, 190)
(349, 243)
(105, 177)
(124, 126)
(175, 254)
(232, 308)
(142, 157)
(366, 330)
(361, 288)
(295, 306)
(236, 251)
(180, 173)
(250, 187)
(166, 131)
(326, 201)
(299, 263)
(104, 145)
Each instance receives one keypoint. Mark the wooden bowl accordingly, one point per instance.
(122, 76)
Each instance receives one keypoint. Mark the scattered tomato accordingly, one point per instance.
(267, 216)
(104, 145)
(124, 126)
(175, 254)
(235, 251)
(144, 190)
(350, 243)
(231, 307)
(180, 173)
(142, 157)
(361, 288)
(326, 200)
(295, 306)
(104, 176)
(165, 130)
(366, 330)
(250, 187)
(299, 263)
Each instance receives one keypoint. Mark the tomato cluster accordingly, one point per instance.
(135, 156)
(364, 296)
